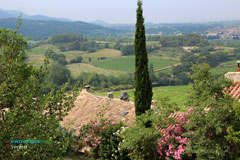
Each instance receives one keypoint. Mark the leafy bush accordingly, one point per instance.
(140, 142)
(213, 119)
(60, 58)
(30, 115)
(173, 143)
(101, 137)
(76, 60)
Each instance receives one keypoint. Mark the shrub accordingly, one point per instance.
(30, 115)
(213, 117)
(76, 60)
(101, 137)
(173, 143)
(139, 141)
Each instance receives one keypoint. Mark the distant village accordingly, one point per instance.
(225, 33)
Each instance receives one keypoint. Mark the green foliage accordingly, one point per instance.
(183, 40)
(127, 50)
(188, 60)
(76, 60)
(29, 115)
(67, 42)
(233, 130)
(66, 38)
(213, 114)
(60, 58)
(152, 73)
(102, 137)
(100, 81)
(57, 76)
(141, 142)
(143, 84)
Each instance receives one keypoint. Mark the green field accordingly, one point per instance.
(127, 63)
(107, 53)
(78, 68)
(72, 54)
(222, 70)
(36, 56)
(168, 53)
(229, 66)
(176, 94)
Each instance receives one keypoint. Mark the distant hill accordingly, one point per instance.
(101, 23)
(15, 13)
(39, 29)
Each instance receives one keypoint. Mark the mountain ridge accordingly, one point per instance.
(15, 13)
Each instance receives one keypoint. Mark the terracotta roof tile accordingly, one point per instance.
(233, 90)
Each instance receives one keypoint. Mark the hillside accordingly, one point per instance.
(39, 29)
(16, 13)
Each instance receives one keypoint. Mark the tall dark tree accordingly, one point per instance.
(143, 85)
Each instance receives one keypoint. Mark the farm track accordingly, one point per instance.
(167, 67)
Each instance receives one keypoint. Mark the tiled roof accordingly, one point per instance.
(233, 90)
(88, 107)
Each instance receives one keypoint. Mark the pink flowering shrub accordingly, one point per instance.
(100, 136)
(173, 144)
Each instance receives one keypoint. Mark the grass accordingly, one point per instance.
(127, 63)
(166, 71)
(168, 53)
(176, 94)
(72, 54)
(78, 68)
(36, 56)
(107, 53)
(229, 66)
(224, 69)
(232, 62)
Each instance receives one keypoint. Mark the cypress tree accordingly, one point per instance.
(143, 85)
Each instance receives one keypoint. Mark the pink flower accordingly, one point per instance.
(88, 135)
(183, 141)
(85, 139)
(177, 156)
(94, 124)
(103, 128)
(167, 154)
(93, 144)
(160, 152)
(190, 109)
(107, 122)
(113, 123)
(178, 128)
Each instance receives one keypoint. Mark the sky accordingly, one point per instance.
(124, 11)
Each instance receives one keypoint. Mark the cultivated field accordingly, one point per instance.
(127, 63)
(78, 68)
(229, 66)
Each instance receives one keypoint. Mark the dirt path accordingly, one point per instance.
(167, 67)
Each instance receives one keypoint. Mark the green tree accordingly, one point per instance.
(152, 73)
(213, 117)
(143, 85)
(58, 74)
(30, 115)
